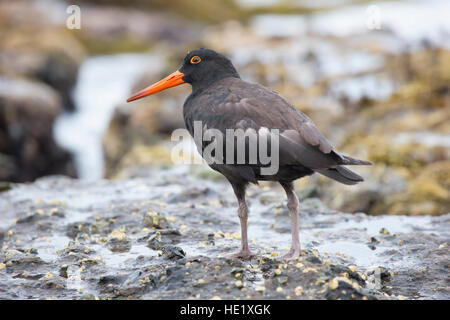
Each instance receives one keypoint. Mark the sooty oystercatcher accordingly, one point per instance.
(222, 101)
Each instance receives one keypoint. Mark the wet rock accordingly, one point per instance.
(19, 261)
(116, 245)
(63, 271)
(314, 259)
(75, 229)
(110, 279)
(170, 232)
(27, 276)
(155, 244)
(154, 220)
(52, 282)
(190, 194)
(27, 113)
(342, 289)
(124, 258)
(162, 238)
(173, 252)
(210, 240)
(74, 252)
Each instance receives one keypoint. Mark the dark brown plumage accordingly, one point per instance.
(221, 100)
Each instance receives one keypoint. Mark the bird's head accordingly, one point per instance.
(200, 68)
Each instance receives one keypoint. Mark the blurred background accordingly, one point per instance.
(373, 75)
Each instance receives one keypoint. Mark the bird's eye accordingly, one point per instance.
(195, 60)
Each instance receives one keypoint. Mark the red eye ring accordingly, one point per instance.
(195, 60)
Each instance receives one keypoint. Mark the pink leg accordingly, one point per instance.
(293, 205)
(245, 252)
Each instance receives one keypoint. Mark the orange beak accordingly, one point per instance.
(172, 80)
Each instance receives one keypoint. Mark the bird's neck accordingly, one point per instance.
(209, 80)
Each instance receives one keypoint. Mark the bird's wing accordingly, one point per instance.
(235, 104)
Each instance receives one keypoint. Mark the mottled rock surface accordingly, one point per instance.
(167, 234)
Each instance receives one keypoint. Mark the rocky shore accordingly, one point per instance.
(167, 234)
(159, 231)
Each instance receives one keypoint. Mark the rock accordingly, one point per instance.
(123, 257)
(380, 182)
(53, 58)
(5, 186)
(343, 289)
(37, 76)
(387, 191)
(116, 245)
(173, 252)
(27, 112)
(155, 221)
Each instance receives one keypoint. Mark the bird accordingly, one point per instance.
(221, 100)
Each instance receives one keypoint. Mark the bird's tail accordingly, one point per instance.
(342, 175)
(351, 161)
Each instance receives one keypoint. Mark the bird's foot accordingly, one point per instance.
(243, 254)
(292, 254)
